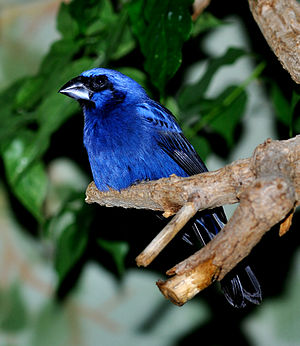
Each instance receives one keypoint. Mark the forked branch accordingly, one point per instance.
(267, 187)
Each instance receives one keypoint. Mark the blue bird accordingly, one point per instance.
(130, 138)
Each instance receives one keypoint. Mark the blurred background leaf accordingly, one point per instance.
(66, 267)
(14, 316)
(118, 250)
(161, 28)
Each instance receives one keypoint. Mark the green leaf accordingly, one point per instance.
(66, 25)
(294, 103)
(297, 125)
(27, 178)
(161, 28)
(95, 29)
(29, 93)
(295, 100)
(285, 109)
(35, 101)
(18, 154)
(281, 105)
(55, 109)
(60, 55)
(191, 95)
(229, 114)
(75, 220)
(124, 45)
(121, 39)
(201, 145)
(71, 246)
(51, 325)
(117, 249)
(31, 189)
(13, 314)
(205, 22)
(85, 13)
(11, 119)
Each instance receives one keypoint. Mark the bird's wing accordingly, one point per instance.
(207, 223)
(157, 116)
(181, 151)
(170, 138)
(172, 141)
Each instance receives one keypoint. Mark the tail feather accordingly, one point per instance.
(240, 286)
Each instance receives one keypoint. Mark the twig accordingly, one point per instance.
(267, 185)
(198, 7)
(168, 233)
(268, 200)
(265, 204)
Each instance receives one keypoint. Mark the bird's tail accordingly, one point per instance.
(240, 286)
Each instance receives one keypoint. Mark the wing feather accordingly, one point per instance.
(207, 223)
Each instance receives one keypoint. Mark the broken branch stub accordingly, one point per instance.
(269, 199)
(267, 185)
(168, 233)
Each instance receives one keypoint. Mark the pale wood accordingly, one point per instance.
(213, 189)
(198, 7)
(167, 234)
(267, 187)
(267, 201)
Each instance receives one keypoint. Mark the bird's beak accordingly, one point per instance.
(76, 89)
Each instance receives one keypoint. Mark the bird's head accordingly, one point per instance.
(102, 87)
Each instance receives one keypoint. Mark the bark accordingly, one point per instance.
(198, 7)
(267, 187)
(279, 22)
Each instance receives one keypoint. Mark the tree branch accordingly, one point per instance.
(279, 22)
(267, 187)
(198, 7)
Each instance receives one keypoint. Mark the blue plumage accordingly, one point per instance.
(130, 138)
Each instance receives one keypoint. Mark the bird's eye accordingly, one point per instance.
(98, 83)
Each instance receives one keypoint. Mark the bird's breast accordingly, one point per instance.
(122, 153)
(117, 155)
